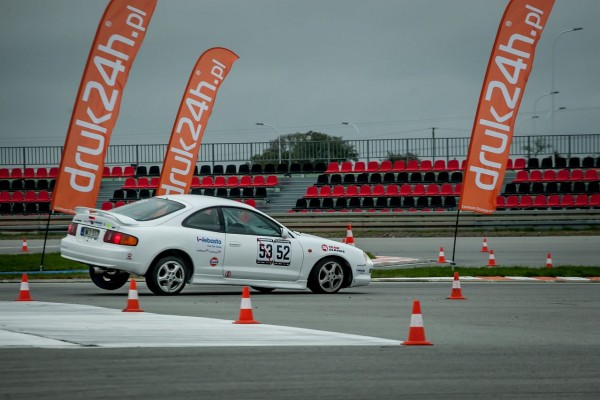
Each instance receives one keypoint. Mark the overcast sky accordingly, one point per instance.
(394, 68)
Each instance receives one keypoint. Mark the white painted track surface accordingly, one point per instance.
(55, 325)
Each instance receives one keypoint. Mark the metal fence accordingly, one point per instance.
(367, 150)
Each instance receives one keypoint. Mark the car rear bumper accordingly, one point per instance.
(117, 257)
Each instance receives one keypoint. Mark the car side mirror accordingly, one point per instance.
(285, 233)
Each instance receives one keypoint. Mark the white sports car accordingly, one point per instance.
(175, 240)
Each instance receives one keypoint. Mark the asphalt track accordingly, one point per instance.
(507, 340)
(527, 251)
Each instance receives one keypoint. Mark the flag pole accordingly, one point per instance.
(453, 262)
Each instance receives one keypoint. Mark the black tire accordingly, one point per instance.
(327, 276)
(168, 276)
(108, 279)
(263, 290)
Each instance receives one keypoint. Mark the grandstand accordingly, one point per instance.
(370, 184)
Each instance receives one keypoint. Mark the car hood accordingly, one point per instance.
(328, 245)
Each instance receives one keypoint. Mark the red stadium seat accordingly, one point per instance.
(522, 176)
(250, 202)
(595, 200)
(127, 171)
(535, 176)
(520, 163)
(419, 190)
(567, 200)
(453, 165)
(553, 201)
(4, 174)
(333, 168)
(232, 181)
(5, 197)
(43, 196)
(258, 180)
(28, 173)
(130, 183)
(352, 191)
(117, 172)
(426, 165)
(338, 191)
(549, 175)
(439, 165)
(582, 201)
(526, 201)
(590, 175)
(509, 164)
(53, 172)
(512, 202)
(378, 191)
(246, 181)
(16, 173)
(106, 172)
(446, 189)
(500, 202)
(312, 191)
(107, 205)
(359, 167)
(433, 190)
(207, 182)
(457, 189)
(142, 183)
(220, 182)
(399, 166)
(562, 175)
(372, 166)
(392, 190)
(405, 190)
(540, 201)
(272, 181)
(365, 191)
(386, 166)
(576, 175)
(463, 165)
(413, 165)
(346, 167)
(325, 191)
(30, 196)
(41, 173)
(195, 182)
(154, 182)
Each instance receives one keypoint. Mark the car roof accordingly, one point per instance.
(197, 200)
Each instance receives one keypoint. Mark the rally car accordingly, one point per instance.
(174, 240)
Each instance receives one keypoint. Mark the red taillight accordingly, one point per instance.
(72, 229)
(120, 238)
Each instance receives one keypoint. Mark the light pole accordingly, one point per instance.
(553, 73)
(278, 136)
(354, 126)
(535, 106)
(525, 119)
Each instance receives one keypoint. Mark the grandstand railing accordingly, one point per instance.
(373, 149)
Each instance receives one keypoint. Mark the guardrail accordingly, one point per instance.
(378, 222)
(315, 151)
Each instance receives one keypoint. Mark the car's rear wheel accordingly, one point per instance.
(327, 276)
(108, 279)
(167, 277)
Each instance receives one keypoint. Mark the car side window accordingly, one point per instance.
(207, 219)
(245, 222)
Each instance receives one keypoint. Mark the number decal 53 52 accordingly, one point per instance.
(273, 251)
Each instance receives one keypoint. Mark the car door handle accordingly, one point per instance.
(235, 244)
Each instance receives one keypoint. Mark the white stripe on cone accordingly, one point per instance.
(416, 320)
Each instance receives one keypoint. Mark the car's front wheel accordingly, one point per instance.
(327, 276)
(108, 279)
(167, 277)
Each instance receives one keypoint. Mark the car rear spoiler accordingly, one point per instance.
(101, 214)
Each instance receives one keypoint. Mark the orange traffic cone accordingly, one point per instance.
(416, 332)
(441, 257)
(24, 291)
(491, 259)
(24, 246)
(484, 248)
(548, 261)
(246, 309)
(133, 304)
(349, 236)
(456, 293)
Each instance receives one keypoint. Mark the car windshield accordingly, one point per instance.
(149, 209)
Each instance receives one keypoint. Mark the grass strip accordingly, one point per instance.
(430, 272)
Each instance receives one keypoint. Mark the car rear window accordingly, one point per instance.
(149, 209)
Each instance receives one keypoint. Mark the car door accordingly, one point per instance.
(254, 248)
(209, 244)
